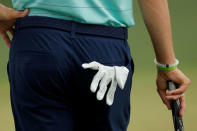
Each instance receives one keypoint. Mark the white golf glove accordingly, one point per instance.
(117, 75)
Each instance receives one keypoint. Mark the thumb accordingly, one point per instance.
(17, 14)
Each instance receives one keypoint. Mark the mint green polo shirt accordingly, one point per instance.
(118, 13)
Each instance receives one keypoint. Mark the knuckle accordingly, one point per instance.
(188, 81)
(178, 97)
(181, 91)
(9, 14)
(174, 98)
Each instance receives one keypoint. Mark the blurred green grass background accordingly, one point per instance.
(148, 112)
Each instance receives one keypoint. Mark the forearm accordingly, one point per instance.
(157, 20)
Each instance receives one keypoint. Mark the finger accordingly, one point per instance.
(95, 81)
(92, 65)
(173, 97)
(183, 84)
(161, 89)
(181, 89)
(111, 92)
(11, 30)
(162, 94)
(103, 87)
(183, 105)
(6, 39)
(17, 14)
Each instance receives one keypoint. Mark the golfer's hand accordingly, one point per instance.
(178, 77)
(7, 21)
(117, 75)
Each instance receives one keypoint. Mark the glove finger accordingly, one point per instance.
(92, 65)
(95, 81)
(111, 92)
(103, 87)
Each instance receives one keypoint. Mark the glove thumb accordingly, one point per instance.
(121, 75)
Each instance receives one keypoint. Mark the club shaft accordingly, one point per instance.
(175, 105)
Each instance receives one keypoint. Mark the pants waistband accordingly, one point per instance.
(72, 26)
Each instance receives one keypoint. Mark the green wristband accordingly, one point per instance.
(166, 68)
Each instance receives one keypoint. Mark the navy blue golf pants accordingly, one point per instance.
(50, 91)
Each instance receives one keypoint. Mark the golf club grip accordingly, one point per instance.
(175, 106)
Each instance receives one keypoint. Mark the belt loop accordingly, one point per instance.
(73, 29)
